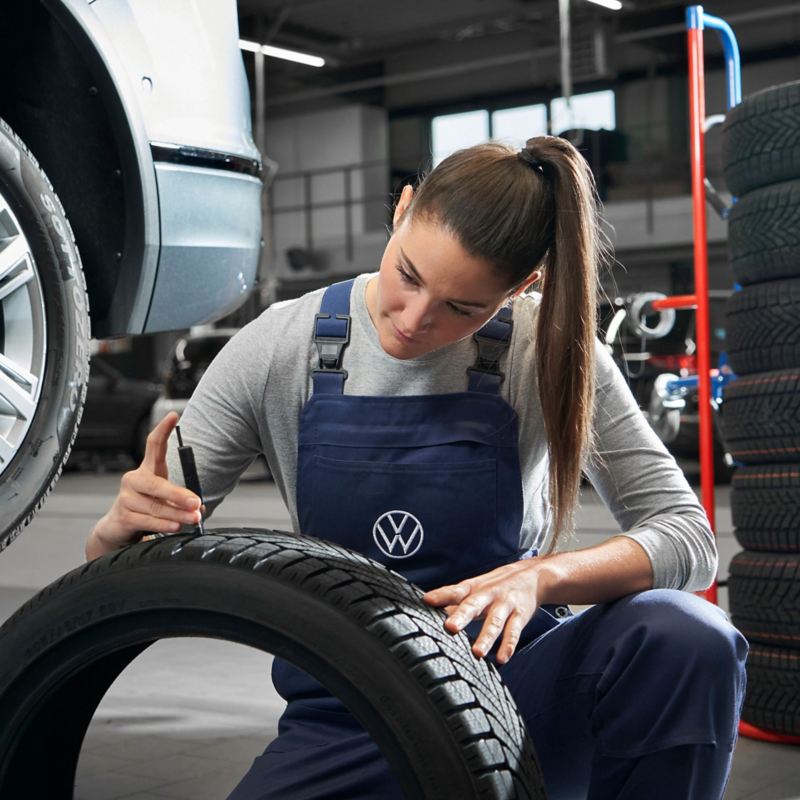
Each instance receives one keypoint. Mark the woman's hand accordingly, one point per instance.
(147, 501)
(506, 597)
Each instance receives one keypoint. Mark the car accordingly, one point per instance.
(130, 203)
(116, 416)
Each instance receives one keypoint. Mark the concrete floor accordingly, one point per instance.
(185, 720)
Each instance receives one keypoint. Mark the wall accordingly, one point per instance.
(319, 141)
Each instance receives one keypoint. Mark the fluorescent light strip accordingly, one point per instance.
(280, 52)
(614, 5)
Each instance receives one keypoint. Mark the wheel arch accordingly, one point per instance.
(71, 103)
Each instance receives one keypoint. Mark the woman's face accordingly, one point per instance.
(429, 291)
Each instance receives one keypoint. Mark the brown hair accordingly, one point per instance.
(519, 214)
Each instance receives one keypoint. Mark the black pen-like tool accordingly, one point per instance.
(190, 477)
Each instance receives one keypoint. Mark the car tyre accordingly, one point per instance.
(44, 325)
(760, 139)
(763, 327)
(764, 595)
(760, 417)
(444, 720)
(764, 234)
(772, 700)
(765, 507)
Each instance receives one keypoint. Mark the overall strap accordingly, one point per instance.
(331, 336)
(493, 339)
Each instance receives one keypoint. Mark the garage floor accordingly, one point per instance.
(185, 720)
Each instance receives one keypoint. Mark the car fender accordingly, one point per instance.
(140, 256)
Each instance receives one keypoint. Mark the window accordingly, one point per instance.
(593, 111)
(452, 132)
(515, 126)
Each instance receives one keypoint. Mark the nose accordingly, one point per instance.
(416, 316)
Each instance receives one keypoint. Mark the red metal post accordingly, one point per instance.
(697, 106)
(676, 301)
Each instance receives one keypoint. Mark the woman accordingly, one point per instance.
(456, 459)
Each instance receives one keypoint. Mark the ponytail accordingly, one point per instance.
(520, 211)
(567, 323)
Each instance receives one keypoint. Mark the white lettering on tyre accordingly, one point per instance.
(80, 367)
(56, 221)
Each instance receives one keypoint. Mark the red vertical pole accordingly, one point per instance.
(697, 106)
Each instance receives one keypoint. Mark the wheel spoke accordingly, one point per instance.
(13, 251)
(22, 277)
(7, 451)
(18, 387)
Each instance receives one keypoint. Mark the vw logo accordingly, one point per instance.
(398, 534)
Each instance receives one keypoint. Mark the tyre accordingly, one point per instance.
(765, 507)
(764, 595)
(44, 337)
(760, 417)
(772, 699)
(443, 719)
(761, 139)
(764, 234)
(763, 327)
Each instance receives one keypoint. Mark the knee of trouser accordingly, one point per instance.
(688, 631)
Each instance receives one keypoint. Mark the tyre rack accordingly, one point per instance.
(696, 21)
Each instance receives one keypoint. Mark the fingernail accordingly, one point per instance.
(191, 503)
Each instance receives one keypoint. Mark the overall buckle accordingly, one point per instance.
(491, 349)
(330, 347)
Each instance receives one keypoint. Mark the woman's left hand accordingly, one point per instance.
(507, 597)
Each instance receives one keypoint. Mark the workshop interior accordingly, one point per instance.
(212, 213)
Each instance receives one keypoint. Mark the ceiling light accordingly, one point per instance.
(280, 52)
(614, 5)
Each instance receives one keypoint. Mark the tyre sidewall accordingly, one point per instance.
(45, 643)
(38, 461)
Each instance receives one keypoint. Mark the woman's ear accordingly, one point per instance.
(527, 283)
(402, 204)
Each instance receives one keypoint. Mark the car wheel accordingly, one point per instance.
(444, 720)
(44, 336)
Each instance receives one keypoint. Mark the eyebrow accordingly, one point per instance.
(413, 269)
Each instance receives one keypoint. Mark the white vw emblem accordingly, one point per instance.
(398, 534)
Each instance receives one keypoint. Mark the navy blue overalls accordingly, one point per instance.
(431, 487)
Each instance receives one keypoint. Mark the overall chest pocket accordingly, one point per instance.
(428, 517)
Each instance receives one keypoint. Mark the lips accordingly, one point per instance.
(401, 336)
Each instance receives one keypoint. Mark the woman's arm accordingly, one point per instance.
(643, 487)
(599, 574)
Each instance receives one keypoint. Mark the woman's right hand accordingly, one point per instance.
(147, 501)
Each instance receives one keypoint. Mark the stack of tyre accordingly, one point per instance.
(761, 409)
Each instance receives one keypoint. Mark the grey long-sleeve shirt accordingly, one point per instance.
(249, 401)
